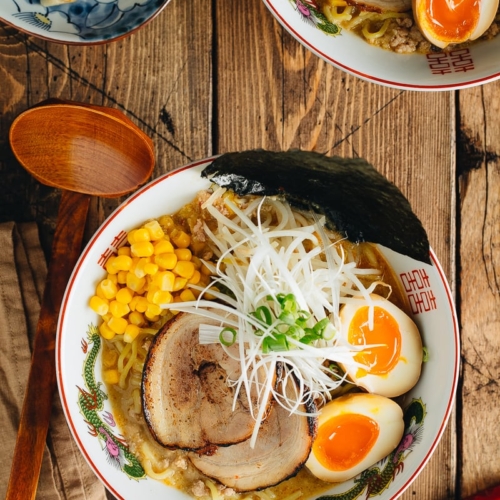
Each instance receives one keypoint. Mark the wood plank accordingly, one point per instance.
(147, 76)
(479, 244)
(408, 136)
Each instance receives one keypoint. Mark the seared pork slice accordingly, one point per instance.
(186, 399)
(282, 447)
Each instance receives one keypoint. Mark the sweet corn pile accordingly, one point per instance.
(155, 267)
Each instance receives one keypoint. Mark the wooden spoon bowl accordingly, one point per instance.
(82, 148)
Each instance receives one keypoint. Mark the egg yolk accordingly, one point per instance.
(380, 360)
(452, 20)
(344, 440)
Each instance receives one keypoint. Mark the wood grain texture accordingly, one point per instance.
(41, 385)
(205, 78)
(160, 78)
(479, 246)
(305, 103)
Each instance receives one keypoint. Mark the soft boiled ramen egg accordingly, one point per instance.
(453, 21)
(355, 431)
(392, 360)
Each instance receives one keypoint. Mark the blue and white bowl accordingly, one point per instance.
(82, 22)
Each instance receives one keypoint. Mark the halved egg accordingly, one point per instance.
(355, 431)
(453, 21)
(392, 367)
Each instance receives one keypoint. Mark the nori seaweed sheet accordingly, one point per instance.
(357, 201)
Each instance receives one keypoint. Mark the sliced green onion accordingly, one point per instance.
(263, 315)
(329, 332)
(425, 354)
(223, 335)
(277, 343)
(287, 318)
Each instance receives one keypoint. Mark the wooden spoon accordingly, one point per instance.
(83, 150)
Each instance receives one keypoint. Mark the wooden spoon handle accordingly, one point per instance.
(37, 404)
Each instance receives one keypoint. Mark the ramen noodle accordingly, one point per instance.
(124, 356)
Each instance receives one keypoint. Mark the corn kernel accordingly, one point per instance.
(166, 222)
(185, 269)
(117, 325)
(110, 268)
(155, 230)
(107, 288)
(111, 376)
(180, 238)
(113, 278)
(131, 333)
(138, 235)
(179, 283)
(195, 279)
(121, 277)
(187, 295)
(197, 262)
(151, 292)
(163, 246)
(205, 270)
(164, 280)
(140, 267)
(106, 332)
(132, 304)
(204, 280)
(197, 246)
(130, 236)
(118, 309)
(122, 262)
(124, 295)
(183, 254)
(135, 283)
(99, 305)
(162, 297)
(142, 249)
(124, 250)
(142, 305)
(166, 260)
(151, 268)
(106, 317)
(136, 318)
(152, 311)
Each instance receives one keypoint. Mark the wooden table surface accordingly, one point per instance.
(210, 77)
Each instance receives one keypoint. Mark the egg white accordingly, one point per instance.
(406, 372)
(384, 411)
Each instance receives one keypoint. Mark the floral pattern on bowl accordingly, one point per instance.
(310, 13)
(80, 21)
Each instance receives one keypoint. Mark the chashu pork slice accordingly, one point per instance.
(186, 399)
(283, 445)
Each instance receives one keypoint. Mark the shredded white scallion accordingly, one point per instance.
(264, 251)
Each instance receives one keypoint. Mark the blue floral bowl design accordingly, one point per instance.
(82, 22)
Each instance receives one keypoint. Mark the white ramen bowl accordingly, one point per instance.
(78, 355)
(465, 67)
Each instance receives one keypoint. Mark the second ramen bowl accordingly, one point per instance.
(97, 428)
(469, 66)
